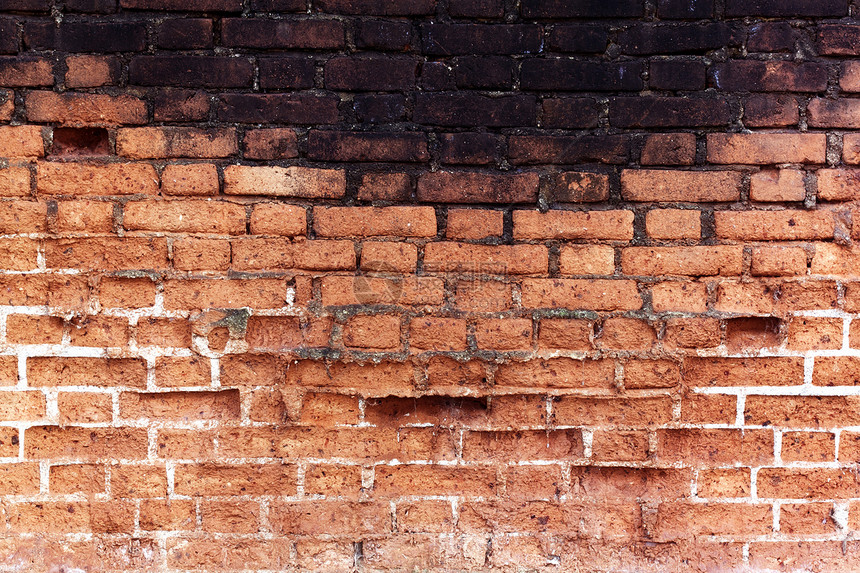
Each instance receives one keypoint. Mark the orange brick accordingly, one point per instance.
(522, 445)
(19, 254)
(91, 71)
(677, 520)
(698, 447)
(84, 407)
(684, 261)
(100, 331)
(371, 379)
(34, 329)
(837, 184)
(171, 515)
(765, 371)
(437, 334)
(610, 225)
(504, 334)
(8, 370)
(138, 481)
(806, 519)
(84, 179)
(285, 333)
(800, 411)
(116, 292)
(88, 216)
(692, 333)
(197, 179)
(82, 109)
(174, 332)
(214, 405)
(587, 260)
(217, 217)
(745, 298)
(62, 291)
(673, 224)
(836, 371)
(74, 478)
(485, 259)
(25, 72)
(723, 483)
(425, 516)
(807, 483)
(104, 372)
(766, 148)
(808, 447)
(278, 219)
(408, 480)
(708, 409)
(619, 446)
(333, 481)
(578, 294)
(612, 412)
(228, 479)
(190, 254)
(483, 295)
(23, 216)
(470, 187)
(777, 185)
(557, 373)
(330, 518)
(329, 409)
(787, 225)
(681, 296)
(380, 332)
(259, 254)
(54, 442)
(14, 182)
(21, 141)
(651, 374)
(218, 293)
(778, 261)
(625, 334)
(284, 181)
(528, 483)
(807, 333)
(375, 221)
(159, 142)
(473, 224)
(230, 516)
(568, 333)
(688, 186)
(20, 406)
(183, 371)
(389, 257)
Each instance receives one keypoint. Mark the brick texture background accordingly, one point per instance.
(429, 285)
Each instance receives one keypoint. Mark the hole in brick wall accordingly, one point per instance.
(80, 141)
(753, 332)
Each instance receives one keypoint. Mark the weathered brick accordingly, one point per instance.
(462, 187)
(777, 185)
(560, 149)
(576, 294)
(688, 186)
(84, 179)
(790, 225)
(684, 261)
(612, 225)
(284, 181)
(78, 109)
(158, 142)
(764, 149)
(769, 76)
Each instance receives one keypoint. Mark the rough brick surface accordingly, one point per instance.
(461, 285)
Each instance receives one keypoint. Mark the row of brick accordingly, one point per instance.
(386, 332)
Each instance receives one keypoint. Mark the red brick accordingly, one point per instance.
(673, 224)
(117, 292)
(228, 479)
(91, 71)
(695, 447)
(182, 371)
(114, 253)
(683, 519)
(284, 181)
(103, 372)
(18, 217)
(692, 333)
(683, 261)
(823, 112)
(63, 291)
(688, 186)
(370, 379)
(201, 254)
(612, 225)
(276, 333)
(380, 332)
(777, 185)
(158, 142)
(612, 412)
(216, 217)
(438, 334)
(743, 371)
(807, 333)
(83, 179)
(651, 374)
(268, 254)
(21, 141)
(197, 179)
(619, 446)
(14, 182)
(278, 143)
(375, 221)
(425, 516)
(22, 406)
(330, 518)
(485, 259)
(80, 109)
(348, 290)
(811, 483)
(745, 298)
(766, 148)
(461, 187)
(333, 481)
(181, 406)
(504, 334)
(778, 261)
(218, 293)
(708, 409)
(170, 515)
(787, 225)
(734, 482)
(25, 72)
(99, 331)
(557, 373)
(34, 329)
(571, 334)
(483, 295)
(522, 445)
(408, 480)
(389, 257)
(278, 219)
(54, 443)
(19, 254)
(88, 216)
(800, 411)
(625, 334)
(581, 294)
(587, 260)
(808, 447)
(74, 478)
(473, 224)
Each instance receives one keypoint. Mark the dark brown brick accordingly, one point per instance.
(677, 38)
(185, 34)
(581, 8)
(538, 149)
(572, 75)
(578, 38)
(383, 35)
(684, 9)
(771, 111)
(289, 34)
(184, 5)
(370, 74)
(771, 37)
(484, 72)
(769, 76)
(191, 71)
(467, 148)
(575, 113)
(278, 108)
(787, 8)
(451, 39)
(358, 146)
(379, 108)
(377, 7)
(294, 72)
(467, 109)
(86, 36)
(676, 75)
(464, 187)
(668, 112)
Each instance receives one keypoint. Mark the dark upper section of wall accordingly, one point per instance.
(489, 84)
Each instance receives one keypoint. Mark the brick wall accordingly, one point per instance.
(434, 285)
